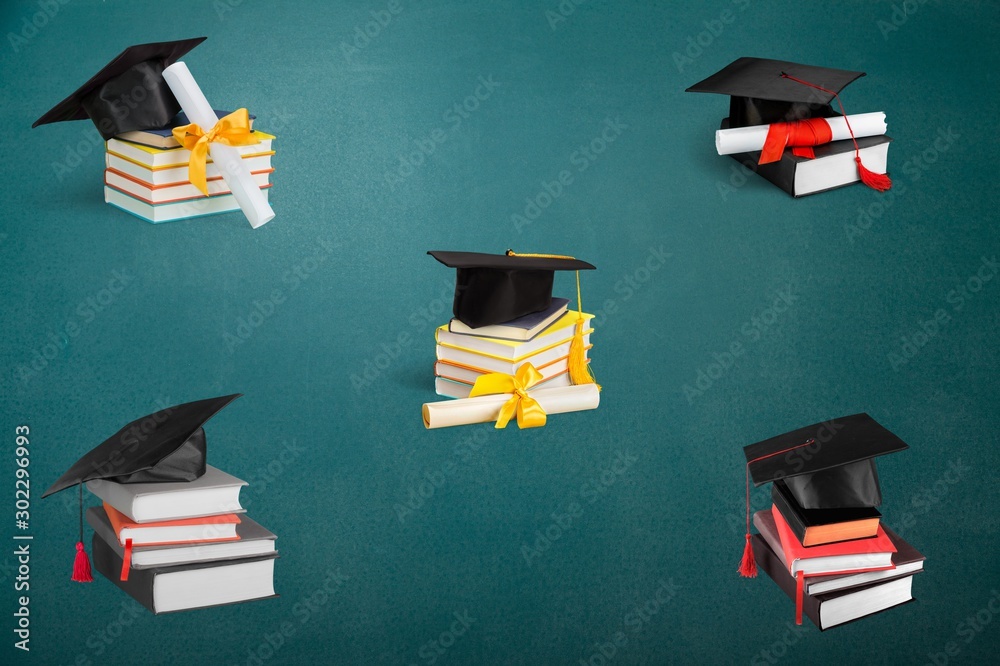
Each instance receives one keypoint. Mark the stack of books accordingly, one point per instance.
(541, 338)
(181, 545)
(146, 175)
(838, 564)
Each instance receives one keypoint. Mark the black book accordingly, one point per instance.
(201, 585)
(814, 527)
(842, 606)
(832, 167)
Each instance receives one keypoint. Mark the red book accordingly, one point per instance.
(855, 556)
(169, 532)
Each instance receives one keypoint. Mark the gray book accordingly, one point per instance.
(212, 493)
(254, 540)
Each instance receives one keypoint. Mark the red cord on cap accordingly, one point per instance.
(748, 565)
(876, 181)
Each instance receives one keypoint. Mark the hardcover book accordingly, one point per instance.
(834, 608)
(189, 586)
(253, 539)
(814, 527)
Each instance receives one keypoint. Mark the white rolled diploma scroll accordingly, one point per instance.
(486, 408)
(749, 139)
(227, 158)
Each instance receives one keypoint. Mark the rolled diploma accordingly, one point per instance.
(749, 139)
(227, 158)
(486, 408)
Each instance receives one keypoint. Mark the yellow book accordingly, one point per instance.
(559, 333)
(165, 158)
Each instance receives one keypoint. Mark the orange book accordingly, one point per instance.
(168, 532)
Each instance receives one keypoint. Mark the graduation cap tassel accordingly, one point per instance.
(877, 181)
(81, 565)
(579, 369)
(748, 565)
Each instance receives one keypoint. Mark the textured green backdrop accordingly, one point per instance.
(388, 532)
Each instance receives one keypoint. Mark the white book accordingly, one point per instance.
(212, 493)
(511, 350)
(171, 193)
(838, 169)
(493, 364)
(159, 157)
(453, 389)
(178, 175)
(169, 212)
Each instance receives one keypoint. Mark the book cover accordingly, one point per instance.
(140, 584)
(247, 530)
(856, 555)
(770, 564)
(143, 533)
(174, 157)
(125, 497)
(521, 329)
(509, 350)
(783, 172)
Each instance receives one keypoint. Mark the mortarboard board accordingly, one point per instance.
(495, 288)
(836, 471)
(760, 95)
(129, 93)
(166, 446)
(826, 465)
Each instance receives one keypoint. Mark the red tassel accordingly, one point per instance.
(876, 181)
(748, 565)
(81, 566)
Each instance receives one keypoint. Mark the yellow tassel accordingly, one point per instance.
(579, 369)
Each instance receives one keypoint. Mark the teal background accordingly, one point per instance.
(331, 460)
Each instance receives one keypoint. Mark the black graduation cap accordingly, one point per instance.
(837, 470)
(760, 95)
(829, 465)
(129, 93)
(163, 447)
(495, 288)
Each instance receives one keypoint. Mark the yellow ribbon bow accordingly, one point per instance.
(529, 413)
(232, 130)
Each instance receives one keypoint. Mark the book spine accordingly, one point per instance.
(792, 517)
(139, 585)
(772, 566)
